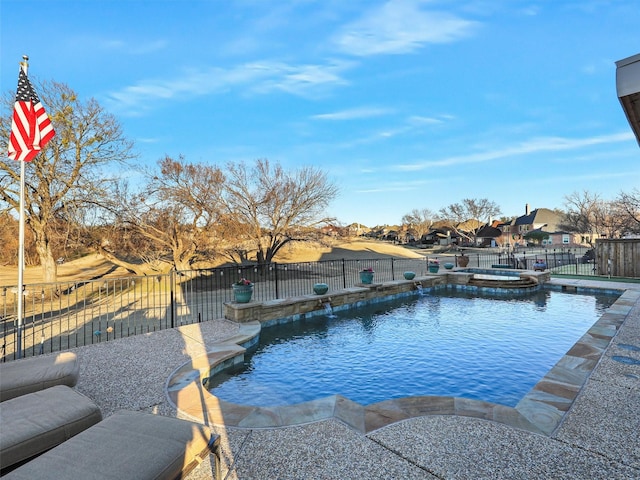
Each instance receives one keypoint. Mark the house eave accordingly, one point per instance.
(628, 88)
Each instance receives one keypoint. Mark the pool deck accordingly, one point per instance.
(598, 437)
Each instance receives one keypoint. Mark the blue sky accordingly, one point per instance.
(404, 103)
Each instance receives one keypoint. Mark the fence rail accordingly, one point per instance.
(65, 315)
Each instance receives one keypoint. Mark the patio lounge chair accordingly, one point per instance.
(38, 421)
(37, 373)
(126, 445)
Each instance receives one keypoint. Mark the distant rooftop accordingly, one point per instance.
(628, 86)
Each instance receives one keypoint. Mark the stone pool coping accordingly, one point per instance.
(541, 410)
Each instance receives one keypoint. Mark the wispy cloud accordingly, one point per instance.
(581, 181)
(148, 140)
(548, 144)
(400, 26)
(585, 177)
(134, 47)
(531, 10)
(302, 80)
(354, 113)
(253, 78)
(408, 126)
(402, 186)
(598, 66)
(390, 188)
(418, 120)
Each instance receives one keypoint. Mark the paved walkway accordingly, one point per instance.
(598, 438)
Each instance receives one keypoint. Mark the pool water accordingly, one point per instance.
(449, 343)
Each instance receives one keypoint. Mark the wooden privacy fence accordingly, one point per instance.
(618, 257)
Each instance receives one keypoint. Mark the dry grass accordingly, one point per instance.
(351, 250)
(84, 268)
(94, 266)
(72, 315)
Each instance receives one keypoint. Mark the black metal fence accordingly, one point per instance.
(65, 315)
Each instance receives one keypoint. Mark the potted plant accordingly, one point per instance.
(434, 266)
(320, 288)
(366, 275)
(539, 265)
(242, 290)
(409, 275)
(462, 260)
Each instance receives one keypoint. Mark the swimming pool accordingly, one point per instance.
(448, 343)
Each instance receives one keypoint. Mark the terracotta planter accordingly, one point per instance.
(463, 261)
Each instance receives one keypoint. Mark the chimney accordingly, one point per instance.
(527, 209)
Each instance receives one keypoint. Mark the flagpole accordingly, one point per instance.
(25, 66)
(31, 130)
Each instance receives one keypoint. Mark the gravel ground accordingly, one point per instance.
(598, 438)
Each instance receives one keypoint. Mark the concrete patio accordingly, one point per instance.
(597, 438)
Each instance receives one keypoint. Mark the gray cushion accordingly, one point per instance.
(28, 375)
(34, 423)
(126, 445)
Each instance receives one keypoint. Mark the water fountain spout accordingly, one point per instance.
(328, 310)
(419, 288)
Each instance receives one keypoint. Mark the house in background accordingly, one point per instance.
(567, 239)
(440, 236)
(542, 225)
(541, 219)
(490, 235)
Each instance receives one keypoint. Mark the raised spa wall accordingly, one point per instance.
(295, 308)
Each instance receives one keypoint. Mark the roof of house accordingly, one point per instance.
(441, 233)
(489, 232)
(540, 217)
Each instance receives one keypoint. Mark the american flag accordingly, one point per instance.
(31, 128)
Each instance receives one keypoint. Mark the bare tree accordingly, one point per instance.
(629, 207)
(171, 221)
(419, 220)
(468, 217)
(68, 174)
(9, 240)
(269, 207)
(125, 247)
(587, 214)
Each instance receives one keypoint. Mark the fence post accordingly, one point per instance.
(393, 277)
(344, 275)
(20, 320)
(172, 302)
(275, 269)
(4, 328)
